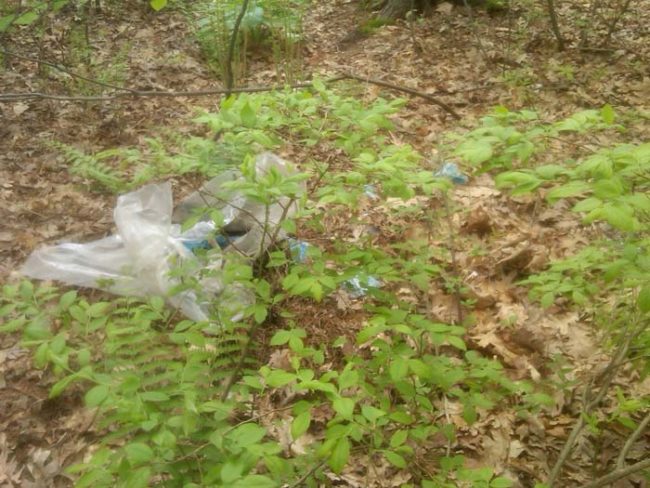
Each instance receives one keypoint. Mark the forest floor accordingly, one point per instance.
(471, 61)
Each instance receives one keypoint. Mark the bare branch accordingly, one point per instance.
(385, 84)
(231, 47)
(64, 70)
(619, 474)
(631, 440)
(589, 402)
(13, 97)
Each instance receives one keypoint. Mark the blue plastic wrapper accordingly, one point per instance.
(358, 287)
(451, 171)
(223, 241)
(370, 191)
(196, 245)
(298, 250)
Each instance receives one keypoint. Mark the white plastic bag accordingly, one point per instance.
(133, 262)
(137, 260)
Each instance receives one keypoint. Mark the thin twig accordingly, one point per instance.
(404, 89)
(620, 462)
(234, 376)
(612, 26)
(131, 93)
(454, 262)
(607, 375)
(254, 418)
(619, 474)
(231, 47)
(64, 70)
(304, 477)
(550, 4)
(472, 24)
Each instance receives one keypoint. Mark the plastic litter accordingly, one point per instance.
(370, 191)
(450, 170)
(137, 260)
(358, 287)
(298, 249)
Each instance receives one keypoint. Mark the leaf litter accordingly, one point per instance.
(454, 55)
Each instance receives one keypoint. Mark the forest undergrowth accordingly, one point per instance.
(458, 304)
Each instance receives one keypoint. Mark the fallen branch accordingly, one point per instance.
(12, 54)
(385, 84)
(620, 462)
(619, 474)
(125, 92)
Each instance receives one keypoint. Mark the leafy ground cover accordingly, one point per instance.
(498, 300)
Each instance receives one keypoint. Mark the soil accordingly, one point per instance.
(472, 60)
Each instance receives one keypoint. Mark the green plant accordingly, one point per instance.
(176, 400)
(608, 187)
(274, 23)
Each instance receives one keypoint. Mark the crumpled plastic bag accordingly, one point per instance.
(137, 260)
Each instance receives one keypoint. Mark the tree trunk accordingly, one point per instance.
(395, 9)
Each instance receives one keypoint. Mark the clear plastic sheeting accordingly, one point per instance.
(137, 260)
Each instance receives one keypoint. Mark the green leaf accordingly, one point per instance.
(608, 189)
(457, 342)
(280, 337)
(154, 396)
(500, 482)
(97, 309)
(519, 181)
(340, 455)
(96, 395)
(395, 459)
(6, 21)
(158, 4)
(38, 329)
(475, 152)
(370, 333)
(138, 453)
(398, 438)
(398, 368)
(231, 471)
(587, 205)
(348, 378)
(83, 356)
(371, 413)
(77, 313)
(608, 115)
(138, 478)
(570, 189)
(255, 481)
(61, 385)
(247, 434)
(300, 424)
(67, 299)
(401, 417)
(547, 299)
(248, 116)
(550, 171)
(278, 377)
(260, 313)
(27, 18)
(620, 217)
(643, 300)
(344, 407)
(318, 85)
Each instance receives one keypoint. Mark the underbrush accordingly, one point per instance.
(180, 403)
